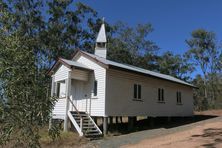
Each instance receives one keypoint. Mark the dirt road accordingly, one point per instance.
(206, 135)
(201, 133)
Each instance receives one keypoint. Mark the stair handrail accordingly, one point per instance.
(81, 118)
(94, 123)
(74, 106)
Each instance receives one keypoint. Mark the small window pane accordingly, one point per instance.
(179, 97)
(95, 88)
(58, 90)
(162, 95)
(135, 91)
(139, 91)
(159, 94)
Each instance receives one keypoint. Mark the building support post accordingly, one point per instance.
(116, 120)
(121, 119)
(111, 120)
(105, 125)
(131, 121)
(95, 120)
(68, 86)
(52, 94)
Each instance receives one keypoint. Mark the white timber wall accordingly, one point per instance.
(59, 109)
(61, 73)
(120, 101)
(97, 103)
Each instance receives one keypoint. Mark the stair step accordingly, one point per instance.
(91, 126)
(92, 134)
(87, 121)
(84, 121)
(91, 131)
(88, 126)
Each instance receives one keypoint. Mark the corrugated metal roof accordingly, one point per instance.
(101, 38)
(137, 69)
(75, 64)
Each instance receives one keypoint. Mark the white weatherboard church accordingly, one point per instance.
(89, 85)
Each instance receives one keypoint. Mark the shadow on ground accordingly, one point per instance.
(155, 123)
(214, 134)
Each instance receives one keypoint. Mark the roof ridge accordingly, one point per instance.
(139, 69)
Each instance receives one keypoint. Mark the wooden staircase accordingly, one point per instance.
(83, 123)
(86, 123)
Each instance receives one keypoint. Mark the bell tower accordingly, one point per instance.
(101, 41)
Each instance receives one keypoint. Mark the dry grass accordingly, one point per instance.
(66, 140)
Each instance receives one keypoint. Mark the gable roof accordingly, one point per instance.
(68, 63)
(130, 68)
(75, 64)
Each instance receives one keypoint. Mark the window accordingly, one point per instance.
(179, 97)
(58, 90)
(137, 91)
(160, 95)
(95, 88)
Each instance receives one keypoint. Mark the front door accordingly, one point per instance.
(78, 95)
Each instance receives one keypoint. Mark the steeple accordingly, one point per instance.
(101, 41)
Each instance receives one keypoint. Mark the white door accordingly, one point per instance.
(79, 95)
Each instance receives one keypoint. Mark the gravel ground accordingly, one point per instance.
(133, 138)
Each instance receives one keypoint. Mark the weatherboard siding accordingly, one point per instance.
(59, 109)
(80, 75)
(97, 102)
(61, 73)
(120, 101)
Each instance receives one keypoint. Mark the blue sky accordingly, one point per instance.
(173, 20)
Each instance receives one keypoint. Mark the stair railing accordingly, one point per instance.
(81, 118)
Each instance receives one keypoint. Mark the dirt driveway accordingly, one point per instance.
(206, 135)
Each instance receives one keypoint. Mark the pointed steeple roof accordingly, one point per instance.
(101, 38)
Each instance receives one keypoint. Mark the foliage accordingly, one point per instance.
(130, 45)
(203, 50)
(174, 65)
(66, 29)
(32, 35)
(205, 55)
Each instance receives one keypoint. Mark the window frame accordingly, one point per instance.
(161, 98)
(137, 92)
(58, 90)
(95, 88)
(179, 98)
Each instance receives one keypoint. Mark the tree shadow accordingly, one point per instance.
(214, 134)
(154, 123)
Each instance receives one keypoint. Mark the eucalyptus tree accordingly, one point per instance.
(131, 45)
(32, 35)
(203, 52)
(175, 65)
